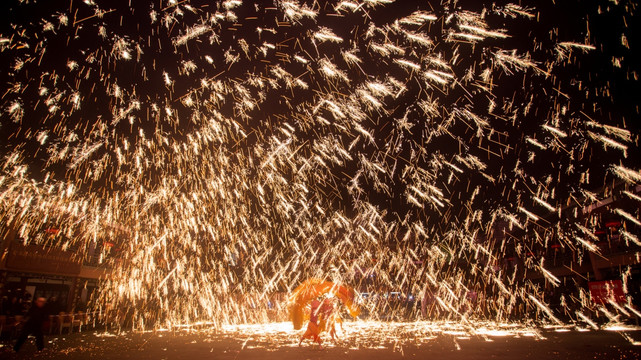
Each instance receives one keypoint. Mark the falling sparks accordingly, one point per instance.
(423, 155)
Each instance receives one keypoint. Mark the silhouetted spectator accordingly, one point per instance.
(4, 306)
(53, 306)
(15, 307)
(35, 318)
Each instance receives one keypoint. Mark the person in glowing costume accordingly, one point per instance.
(329, 316)
(322, 316)
(313, 328)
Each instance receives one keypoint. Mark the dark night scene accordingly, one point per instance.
(320, 179)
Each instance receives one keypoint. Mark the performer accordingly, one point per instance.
(313, 328)
(329, 316)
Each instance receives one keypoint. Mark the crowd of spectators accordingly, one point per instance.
(19, 303)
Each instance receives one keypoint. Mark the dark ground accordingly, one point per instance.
(283, 346)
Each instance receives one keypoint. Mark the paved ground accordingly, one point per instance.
(369, 342)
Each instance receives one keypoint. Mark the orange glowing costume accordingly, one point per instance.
(313, 328)
(329, 317)
(322, 317)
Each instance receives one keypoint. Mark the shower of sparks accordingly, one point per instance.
(217, 154)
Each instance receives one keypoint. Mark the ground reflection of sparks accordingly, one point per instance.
(369, 334)
(380, 334)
